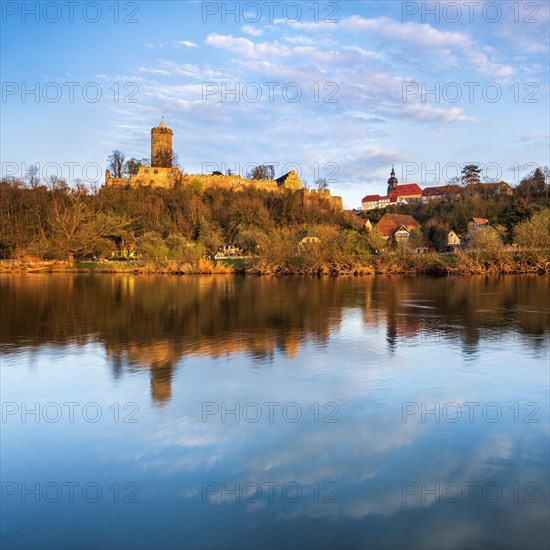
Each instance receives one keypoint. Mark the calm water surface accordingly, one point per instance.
(223, 412)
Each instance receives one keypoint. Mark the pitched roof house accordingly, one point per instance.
(478, 222)
(406, 191)
(290, 180)
(487, 189)
(370, 202)
(453, 239)
(396, 223)
(438, 192)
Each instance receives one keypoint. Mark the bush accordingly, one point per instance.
(534, 233)
(151, 247)
(485, 244)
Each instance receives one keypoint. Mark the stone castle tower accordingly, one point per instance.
(392, 182)
(161, 146)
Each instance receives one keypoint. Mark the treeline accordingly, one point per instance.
(187, 224)
(58, 221)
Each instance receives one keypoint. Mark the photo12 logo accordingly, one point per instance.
(70, 92)
(472, 92)
(69, 411)
(70, 12)
(469, 12)
(437, 172)
(53, 492)
(470, 411)
(270, 411)
(270, 491)
(325, 171)
(270, 12)
(253, 92)
(469, 491)
(40, 174)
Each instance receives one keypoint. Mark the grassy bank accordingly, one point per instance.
(203, 267)
(409, 263)
(389, 263)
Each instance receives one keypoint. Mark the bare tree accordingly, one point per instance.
(77, 226)
(262, 172)
(116, 163)
(321, 184)
(33, 176)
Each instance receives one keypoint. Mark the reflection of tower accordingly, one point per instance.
(392, 182)
(161, 146)
(161, 383)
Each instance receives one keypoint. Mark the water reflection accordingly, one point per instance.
(155, 322)
(355, 348)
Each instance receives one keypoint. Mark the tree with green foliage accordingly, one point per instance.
(133, 165)
(485, 243)
(534, 233)
(471, 174)
(535, 184)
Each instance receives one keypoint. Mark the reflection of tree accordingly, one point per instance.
(152, 322)
(470, 309)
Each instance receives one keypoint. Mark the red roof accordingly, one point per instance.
(480, 221)
(440, 190)
(369, 198)
(390, 223)
(405, 190)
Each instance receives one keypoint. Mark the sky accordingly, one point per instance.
(335, 90)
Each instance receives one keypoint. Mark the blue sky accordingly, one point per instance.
(372, 59)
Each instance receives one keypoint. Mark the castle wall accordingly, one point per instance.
(170, 177)
(161, 174)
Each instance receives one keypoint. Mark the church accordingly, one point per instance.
(396, 194)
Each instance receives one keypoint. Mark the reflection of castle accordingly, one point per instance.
(162, 356)
(151, 325)
(162, 173)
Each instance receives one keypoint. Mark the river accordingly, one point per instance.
(240, 412)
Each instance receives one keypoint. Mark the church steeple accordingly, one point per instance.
(392, 182)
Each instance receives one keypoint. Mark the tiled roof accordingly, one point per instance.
(480, 221)
(369, 198)
(440, 190)
(406, 189)
(392, 222)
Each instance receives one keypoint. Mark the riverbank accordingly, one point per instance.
(386, 264)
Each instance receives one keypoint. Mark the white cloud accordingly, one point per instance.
(252, 31)
(185, 43)
(246, 47)
(171, 68)
(452, 47)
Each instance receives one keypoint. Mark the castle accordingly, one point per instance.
(162, 173)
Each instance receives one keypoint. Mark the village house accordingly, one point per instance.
(489, 189)
(475, 223)
(453, 240)
(439, 192)
(229, 251)
(370, 202)
(398, 225)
